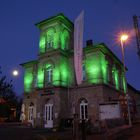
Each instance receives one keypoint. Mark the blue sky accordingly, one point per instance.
(104, 19)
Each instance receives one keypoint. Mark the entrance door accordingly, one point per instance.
(83, 110)
(48, 116)
(31, 115)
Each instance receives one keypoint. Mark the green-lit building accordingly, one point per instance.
(50, 90)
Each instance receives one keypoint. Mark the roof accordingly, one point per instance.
(29, 63)
(59, 17)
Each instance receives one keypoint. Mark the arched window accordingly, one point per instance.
(48, 68)
(83, 109)
(49, 75)
(50, 38)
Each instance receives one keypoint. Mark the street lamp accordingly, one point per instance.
(123, 39)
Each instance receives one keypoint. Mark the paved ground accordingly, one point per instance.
(15, 132)
(136, 133)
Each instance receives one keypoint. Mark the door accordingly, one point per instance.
(48, 116)
(31, 115)
(83, 110)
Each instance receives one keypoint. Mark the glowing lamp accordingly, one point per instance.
(15, 73)
(124, 37)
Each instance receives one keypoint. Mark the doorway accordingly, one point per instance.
(48, 116)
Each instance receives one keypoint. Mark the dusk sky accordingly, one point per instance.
(104, 19)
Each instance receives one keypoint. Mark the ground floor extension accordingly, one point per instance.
(51, 107)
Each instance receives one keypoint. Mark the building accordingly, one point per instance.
(134, 101)
(50, 90)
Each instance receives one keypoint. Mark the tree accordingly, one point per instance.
(8, 95)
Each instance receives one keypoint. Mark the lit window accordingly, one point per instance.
(49, 75)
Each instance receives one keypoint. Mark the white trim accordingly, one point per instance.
(83, 105)
(48, 116)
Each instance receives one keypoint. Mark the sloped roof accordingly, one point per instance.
(60, 17)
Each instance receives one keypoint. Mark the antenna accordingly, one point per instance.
(137, 32)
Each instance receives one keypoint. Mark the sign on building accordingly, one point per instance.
(109, 111)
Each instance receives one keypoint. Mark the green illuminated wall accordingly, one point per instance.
(61, 72)
(104, 68)
(98, 71)
(65, 38)
(57, 33)
(115, 77)
(40, 77)
(66, 75)
(42, 44)
(28, 79)
(56, 37)
(119, 81)
(96, 68)
(124, 84)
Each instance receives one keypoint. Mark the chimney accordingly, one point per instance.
(89, 43)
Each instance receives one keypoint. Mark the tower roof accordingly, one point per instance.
(60, 17)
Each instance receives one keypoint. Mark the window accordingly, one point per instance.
(83, 109)
(50, 38)
(83, 72)
(50, 41)
(49, 75)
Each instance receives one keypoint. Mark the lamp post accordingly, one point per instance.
(123, 39)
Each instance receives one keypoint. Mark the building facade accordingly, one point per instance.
(50, 90)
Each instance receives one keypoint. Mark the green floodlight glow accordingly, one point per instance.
(64, 39)
(56, 76)
(96, 68)
(48, 65)
(54, 38)
(28, 80)
(115, 74)
(42, 44)
(124, 84)
(61, 73)
(93, 68)
(40, 77)
(64, 74)
(104, 68)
